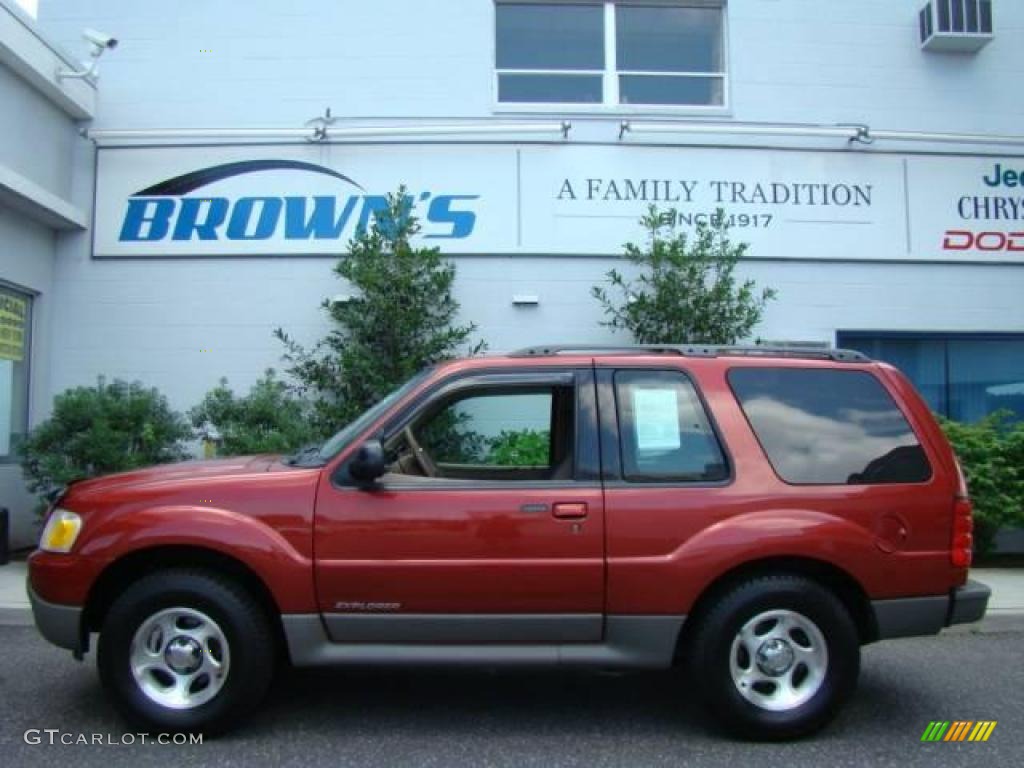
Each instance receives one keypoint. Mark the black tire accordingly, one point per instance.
(712, 652)
(240, 618)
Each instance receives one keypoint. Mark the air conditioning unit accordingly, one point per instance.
(956, 26)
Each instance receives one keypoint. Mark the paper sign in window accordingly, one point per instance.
(656, 419)
(12, 327)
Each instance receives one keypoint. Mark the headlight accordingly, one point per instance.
(60, 531)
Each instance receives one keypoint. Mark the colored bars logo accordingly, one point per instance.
(958, 730)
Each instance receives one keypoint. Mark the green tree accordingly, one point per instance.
(991, 452)
(686, 290)
(270, 419)
(402, 318)
(99, 430)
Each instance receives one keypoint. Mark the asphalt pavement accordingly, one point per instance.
(516, 718)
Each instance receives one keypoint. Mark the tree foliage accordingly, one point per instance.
(402, 318)
(991, 452)
(686, 290)
(99, 430)
(520, 448)
(269, 419)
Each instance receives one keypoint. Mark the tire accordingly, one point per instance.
(776, 657)
(185, 651)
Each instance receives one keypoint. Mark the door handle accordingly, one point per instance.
(569, 510)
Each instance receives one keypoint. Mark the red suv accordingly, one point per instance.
(758, 514)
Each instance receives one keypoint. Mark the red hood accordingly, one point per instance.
(185, 470)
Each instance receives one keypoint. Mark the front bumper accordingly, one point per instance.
(60, 624)
(913, 616)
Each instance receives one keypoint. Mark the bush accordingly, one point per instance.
(99, 430)
(267, 420)
(991, 452)
(520, 448)
(400, 320)
(686, 291)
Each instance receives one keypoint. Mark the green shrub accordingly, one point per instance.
(991, 452)
(520, 448)
(267, 420)
(99, 430)
(685, 291)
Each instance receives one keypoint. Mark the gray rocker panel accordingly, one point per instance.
(647, 642)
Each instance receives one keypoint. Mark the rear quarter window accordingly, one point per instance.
(820, 426)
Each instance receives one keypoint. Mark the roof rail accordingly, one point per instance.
(696, 350)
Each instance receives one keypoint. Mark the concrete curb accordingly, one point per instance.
(15, 616)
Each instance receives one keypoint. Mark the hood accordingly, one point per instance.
(169, 473)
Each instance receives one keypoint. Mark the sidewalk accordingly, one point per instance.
(1005, 608)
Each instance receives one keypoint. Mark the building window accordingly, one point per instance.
(611, 54)
(15, 331)
(961, 376)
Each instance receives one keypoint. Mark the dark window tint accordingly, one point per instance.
(664, 432)
(829, 426)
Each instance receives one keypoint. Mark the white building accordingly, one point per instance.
(877, 180)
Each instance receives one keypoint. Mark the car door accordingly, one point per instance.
(667, 479)
(488, 527)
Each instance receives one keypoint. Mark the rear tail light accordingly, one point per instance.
(962, 545)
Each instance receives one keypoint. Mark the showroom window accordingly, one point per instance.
(961, 376)
(655, 54)
(15, 330)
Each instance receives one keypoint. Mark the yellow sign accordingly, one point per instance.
(13, 312)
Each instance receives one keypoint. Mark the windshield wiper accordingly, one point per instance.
(302, 454)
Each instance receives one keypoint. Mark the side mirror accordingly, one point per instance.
(368, 463)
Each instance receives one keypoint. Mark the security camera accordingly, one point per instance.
(99, 40)
(98, 43)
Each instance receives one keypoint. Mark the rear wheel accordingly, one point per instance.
(184, 650)
(776, 657)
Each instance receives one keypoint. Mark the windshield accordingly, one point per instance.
(342, 438)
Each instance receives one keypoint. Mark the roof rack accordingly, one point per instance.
(697, 350)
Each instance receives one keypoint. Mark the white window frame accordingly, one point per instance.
(610, 74)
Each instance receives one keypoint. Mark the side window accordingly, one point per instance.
(821, 426)
(664, 432)
(499, 433)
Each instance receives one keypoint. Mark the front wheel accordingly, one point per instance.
(776, 657)
(184, 650)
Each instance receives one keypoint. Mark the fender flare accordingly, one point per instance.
(729, 545)
(285, 572)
